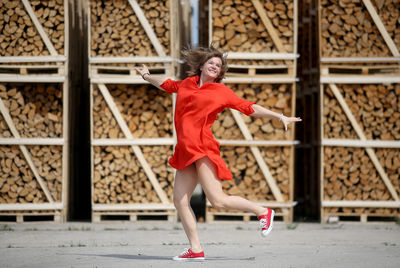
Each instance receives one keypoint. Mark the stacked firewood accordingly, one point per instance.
(349, 174)
(36, 110)
(17, 182)
(276, 97)
(237, 27)
(375, 107)
(119, 178)
(117, 31)
(147, 111)
(348, 30)
(18, 34)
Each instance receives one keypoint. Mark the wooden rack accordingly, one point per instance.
(145, 189)
(359, 160)
(259, 37)
(33, 142)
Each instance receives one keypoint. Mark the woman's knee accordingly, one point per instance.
(219, 202)
(181, 201)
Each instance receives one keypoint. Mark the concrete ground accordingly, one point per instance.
(228, 244)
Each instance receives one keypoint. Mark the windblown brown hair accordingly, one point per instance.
(196, 57)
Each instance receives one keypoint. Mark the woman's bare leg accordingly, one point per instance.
(185, 183)
(213, 189)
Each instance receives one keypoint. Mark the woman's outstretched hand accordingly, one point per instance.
(287, 120)
(142, 71)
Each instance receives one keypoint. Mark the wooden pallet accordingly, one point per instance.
(55, 216)
(217, 216)
(346, 69)
(237, 70)
(102, 216)
(32, 70)
(358, 217)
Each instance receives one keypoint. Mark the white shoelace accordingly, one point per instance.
(263, 223)
(184, 252)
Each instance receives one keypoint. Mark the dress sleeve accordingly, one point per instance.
(170, 85)
(234, 102)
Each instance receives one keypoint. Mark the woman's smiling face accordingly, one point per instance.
(212, 68)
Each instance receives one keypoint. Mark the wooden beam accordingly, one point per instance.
(381, 28)
(361, 204)
(39, 59)
(261, 56)
(360, 143)
(250, 80)
(32, 141)
(31, 206)
(39, 28)
(138, 206)
(147, 28)
(361, 59)
(131, 59)
(360, 79)
(257, 154)
(361, 135)
(119, 142)
(24, 150)
(32, 78)
(269, 204)
(136, 149)
(268, 25)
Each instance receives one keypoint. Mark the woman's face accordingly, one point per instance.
(211, 68)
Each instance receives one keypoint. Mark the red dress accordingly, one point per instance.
(196, 110)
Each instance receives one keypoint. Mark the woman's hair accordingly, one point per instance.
(196, 57)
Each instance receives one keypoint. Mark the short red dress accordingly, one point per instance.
(196, 110)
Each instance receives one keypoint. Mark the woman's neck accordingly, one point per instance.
(205, 79)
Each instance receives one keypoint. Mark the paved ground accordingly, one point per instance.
(151, 244)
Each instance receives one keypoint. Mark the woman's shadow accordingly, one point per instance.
(169, 258)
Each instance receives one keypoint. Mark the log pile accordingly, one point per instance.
(248, 180)
(375, 107)
(348, 30)
(17, 182)
(119, 178)
(18, 34)
(116, 30)
(237, 27)
(276, 97)
(36, 110)
(349, 174)
(147, 111)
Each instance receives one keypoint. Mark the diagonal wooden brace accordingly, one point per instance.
(136, 149)
(39, 28)
(360, 134)
(257, 154)
(25, 152)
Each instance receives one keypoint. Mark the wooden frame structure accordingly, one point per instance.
(46, 69)
(370, 147)
(266, 67)
(119, 70)
(104, 68)
(379, 65)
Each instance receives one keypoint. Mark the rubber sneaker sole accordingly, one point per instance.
(176, 258)
(266, 232)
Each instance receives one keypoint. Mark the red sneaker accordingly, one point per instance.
(189, 255)
(266, 222)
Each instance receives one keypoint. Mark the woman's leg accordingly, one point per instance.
(185, 183)
(213, 189)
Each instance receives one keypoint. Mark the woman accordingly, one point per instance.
(197, 157)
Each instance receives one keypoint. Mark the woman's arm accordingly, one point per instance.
(260, 111)
(154, 80)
